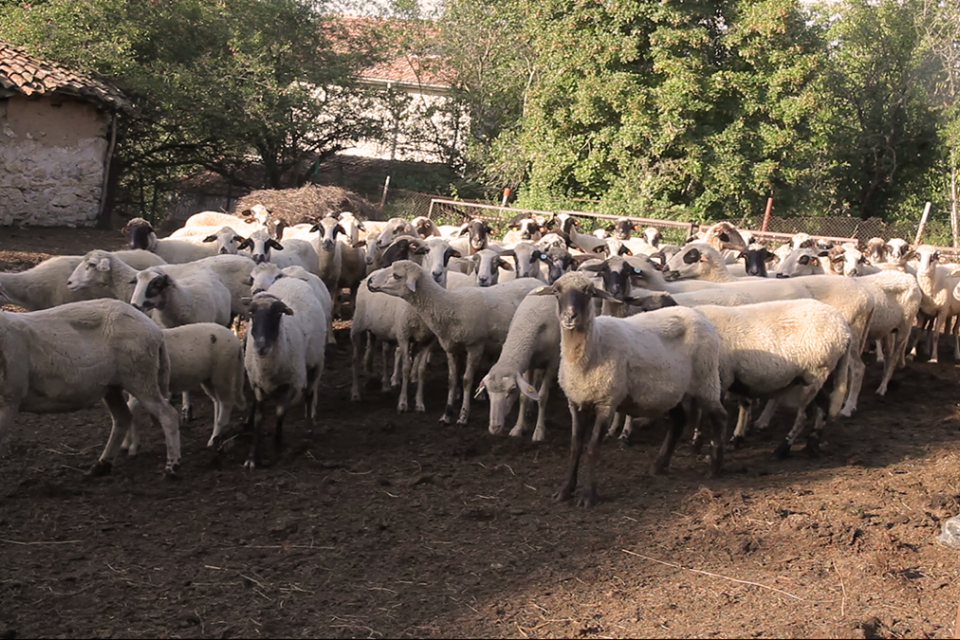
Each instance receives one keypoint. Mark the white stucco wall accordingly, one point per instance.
(52, 152)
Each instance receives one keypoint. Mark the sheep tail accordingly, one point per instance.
(163, 371)
(841, 378)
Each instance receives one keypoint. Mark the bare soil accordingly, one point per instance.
(391, 525)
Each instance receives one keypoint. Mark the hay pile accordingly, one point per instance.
(308, 203)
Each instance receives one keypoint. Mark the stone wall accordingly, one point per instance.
(52, 152)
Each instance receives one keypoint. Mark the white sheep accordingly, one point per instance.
(453, 317)
(284, 354)
(202, 356)
(330, 254)
(532, 345)
(45, 285)
(937, 283)
(102, 274)
(264, 248)
(265, 274)
(173, 250)
(198, 296)
(69, 357)
(646, 365)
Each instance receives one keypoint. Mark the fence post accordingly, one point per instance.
(506, 196)
(923, 224)
(383, 198)
(766, 214)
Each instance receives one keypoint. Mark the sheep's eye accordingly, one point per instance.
(638, 271)
(395, 276)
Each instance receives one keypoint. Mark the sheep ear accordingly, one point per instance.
(653, 301)
(527, 389)
(481, 389)
(340, 229)
(625, 250)
(287, 311)
(244, 243)
(360, 243)
(600, 248)
(360, 225)
(316, 227)
(412, 282)
(543, 291)
(210, 238)
(464, 229)
(605, 295)
(104, 264)
(248, 282)
(273, 244)
(505, 265)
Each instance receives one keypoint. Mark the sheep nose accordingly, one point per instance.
(259, 258)
(328, 245)
(223, 250)
(437, 275)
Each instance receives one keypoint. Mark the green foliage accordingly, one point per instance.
(703, 105)
(214, 82)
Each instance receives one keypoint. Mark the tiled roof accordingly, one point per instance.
(28, 75)
(402, 66)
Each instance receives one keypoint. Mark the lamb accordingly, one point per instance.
(45, 285)
(173, 250)
(284, 354)
(532, 344)
(645, 365)
(68, 357)
(453, 318)
(202, 356)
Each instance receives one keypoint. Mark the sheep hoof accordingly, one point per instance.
(782, 451)
(462, 422)
(100, 468)
(696, 444)
(421, 408)
(736, 442)
(172, 473)
(186, 414)
(588, 498)
(658, 467)
(563, 494)
(250, 464)
(402, 407)
(355, 396)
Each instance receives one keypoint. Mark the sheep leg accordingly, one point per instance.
(615, 424)
(283, 405)
(766, 416)
(356, 340)
(385, 371)
(131, 442)
(694, 418)
(938, 326)
(678, 417)
(743, 422)
(718, 420)
(452, 379)
(222, 407)
(549, 376)
(253, 458)
(186, 409)
(403, 350)
(473, 362)
(588, 496)
(398, 356)
(878, 345)
(423, 357)
(807, 395)
(576, 445)
(892, 346)
(8, 414)
(121, 418)
(368, 361)
(163, 412)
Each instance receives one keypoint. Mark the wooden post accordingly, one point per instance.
(383, 198)
(923, 224)
(766, 214)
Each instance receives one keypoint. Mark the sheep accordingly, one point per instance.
(568, 225)
(198, 296)
(646, 365)
(722, 236)
(101, 274)
(212, 219)
(141, 235)
(937, 283)
(283, 355)
(425, 227)
(227, 239)
(472, 237)
(68, 357)
(395, 228)
(601, 233)
(532, 344)
(202, 356)
(330, 253)
(45, 285)
(523, 227)
(266, 273)
(756, 257)
(488, 267)
(772, 348)
(452, 316)
(527, 257)
(264, 248)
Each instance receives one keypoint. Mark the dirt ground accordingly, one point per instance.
(386, 525)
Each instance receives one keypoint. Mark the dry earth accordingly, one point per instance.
(390, 525)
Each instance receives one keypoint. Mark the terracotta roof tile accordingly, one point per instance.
(27, 74)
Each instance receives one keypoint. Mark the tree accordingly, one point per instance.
(217, 84)
(643, 104)
(885, 141)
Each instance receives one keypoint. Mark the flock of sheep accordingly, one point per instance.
(632, 328)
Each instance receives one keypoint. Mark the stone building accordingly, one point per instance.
(57, 135)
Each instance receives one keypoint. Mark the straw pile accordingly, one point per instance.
(308, 203)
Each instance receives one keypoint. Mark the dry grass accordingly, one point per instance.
(309, 203)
